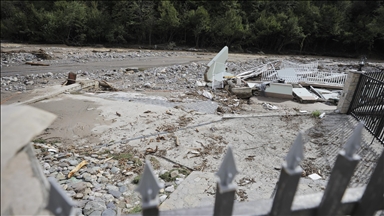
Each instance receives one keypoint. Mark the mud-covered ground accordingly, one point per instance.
(159, 114)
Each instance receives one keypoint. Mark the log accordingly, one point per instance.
(36, 64)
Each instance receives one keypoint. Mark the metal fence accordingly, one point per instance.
(368, 103)
(308, 73)
(336, 199)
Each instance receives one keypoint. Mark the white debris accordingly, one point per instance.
(207, 95)
(269, 106)
(322, 115)
(314, 176)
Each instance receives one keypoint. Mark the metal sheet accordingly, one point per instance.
(304, 94)
(279, 88)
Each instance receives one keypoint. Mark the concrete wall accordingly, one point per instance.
(24, 187)
(349, 90)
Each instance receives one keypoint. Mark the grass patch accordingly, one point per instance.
(168, 178)
(316, 113)
(136, 209)
(39, 140)
(155, 163)
(122, 156)
(136, 180)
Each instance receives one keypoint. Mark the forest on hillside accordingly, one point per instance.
(346, 28)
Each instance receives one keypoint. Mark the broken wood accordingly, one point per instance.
(151, 150)
(177, 141)
(174, 162)
(105, 84)
(36, 64)
(77, 168)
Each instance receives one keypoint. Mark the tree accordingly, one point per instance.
(200, 22)
(228, 27)
(169, 19)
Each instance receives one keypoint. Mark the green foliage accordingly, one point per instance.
(272, 26)
(316, 113)
(136, 180)
(136, 209)
(39, 140)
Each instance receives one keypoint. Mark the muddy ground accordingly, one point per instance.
(159, 113)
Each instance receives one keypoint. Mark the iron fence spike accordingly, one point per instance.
(295, 154)
(227, 170)
(148, 187)
(354, 141)
(59, 203)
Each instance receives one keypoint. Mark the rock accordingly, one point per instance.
(102, 179)
(111, 187)
(63, 164)
(29, 82)
(112, 206)
(96, 213)
(115, 170)
(87, 177)
(80, 203)
(79, 195)
(163, 198)
(108, 197)
(170, 189)
(179, 180)
(123, 188)
(46, 166)
(98, 194)
(174, 173)
(87, 191)
(60, 176)
(77, 211)
(147, 85)
(115, 193)
(94, 206)
(128, 173)
(79, 186)
(73, 162)
(108, 212)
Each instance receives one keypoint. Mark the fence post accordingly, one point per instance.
(225, 189)
(349, 89)
(289, 179)
(59, 203)
(149, 187)
(372, 199)
(341, 174)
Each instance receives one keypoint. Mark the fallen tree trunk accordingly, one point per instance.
(36, 64)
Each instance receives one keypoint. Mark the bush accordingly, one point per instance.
(316, 113)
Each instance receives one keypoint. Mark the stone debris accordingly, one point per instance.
(102, 187)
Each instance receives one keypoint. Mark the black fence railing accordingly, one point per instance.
(367, 104)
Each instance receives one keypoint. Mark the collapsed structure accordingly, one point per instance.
(281, 79)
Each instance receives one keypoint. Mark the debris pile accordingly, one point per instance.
(281, 79)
